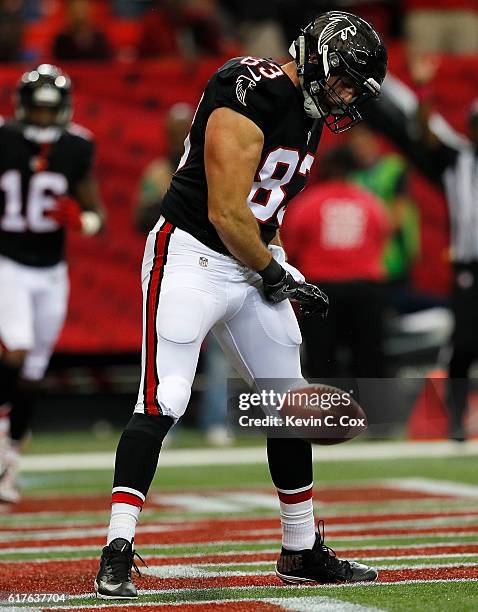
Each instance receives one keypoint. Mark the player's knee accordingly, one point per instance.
(14, 359)
(173, 396)
(156, 426)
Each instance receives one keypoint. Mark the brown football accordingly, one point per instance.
(323, 414)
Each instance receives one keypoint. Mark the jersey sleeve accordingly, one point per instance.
(245, 89)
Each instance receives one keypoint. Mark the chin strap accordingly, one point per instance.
(311, 108)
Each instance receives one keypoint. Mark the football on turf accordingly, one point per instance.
(323, 414)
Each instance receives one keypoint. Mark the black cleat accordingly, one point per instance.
(320, 564)
(114, 576)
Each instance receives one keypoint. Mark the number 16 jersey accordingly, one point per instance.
(260, 90)
(32, 177)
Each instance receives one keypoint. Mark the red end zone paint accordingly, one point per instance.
(104, 502)
(213, 533)
(80, 503)
(76, 577)
(95, 503)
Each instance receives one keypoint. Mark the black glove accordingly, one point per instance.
(279, 285)
(312, 300)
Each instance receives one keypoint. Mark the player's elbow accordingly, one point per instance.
(219, 218)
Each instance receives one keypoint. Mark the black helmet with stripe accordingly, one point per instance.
(338, 45)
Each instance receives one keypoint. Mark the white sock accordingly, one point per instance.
(123, 522)
(297, 518)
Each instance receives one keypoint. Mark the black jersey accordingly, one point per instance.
(260, 90)
(32, 176)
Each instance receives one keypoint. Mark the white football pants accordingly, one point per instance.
(33, 306)
(188, 290)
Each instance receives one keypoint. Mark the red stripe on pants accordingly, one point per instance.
(151, 375)
(295, 498)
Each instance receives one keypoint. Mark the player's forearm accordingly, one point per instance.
(239, 231)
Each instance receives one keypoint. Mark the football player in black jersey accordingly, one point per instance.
(214, 261)
(46, 185)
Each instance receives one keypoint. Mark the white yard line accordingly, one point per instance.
(242, 557)
(227, 501)
(412, 524)
(149, 548)
(391, 536)
(251, 455)
(206, 570)
(393, 508)
(435, 487)
(429, 557)
(66, 534)
(318, 604)
(186, 592)
(336, 538)
(84, 532)
(19, 608)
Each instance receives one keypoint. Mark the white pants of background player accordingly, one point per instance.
(33, 306)
(188, 290)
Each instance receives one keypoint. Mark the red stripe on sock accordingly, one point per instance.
(151, 375)
(126, 498)
(295, 498)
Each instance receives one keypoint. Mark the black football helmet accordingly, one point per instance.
(344, 46)
(44, 86)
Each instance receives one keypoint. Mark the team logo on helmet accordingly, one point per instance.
(339, 24)
(347, 48)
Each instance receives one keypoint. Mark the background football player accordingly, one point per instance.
(214, 262)
(46, 185)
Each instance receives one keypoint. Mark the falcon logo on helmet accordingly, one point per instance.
(334, 28)
(337, 47)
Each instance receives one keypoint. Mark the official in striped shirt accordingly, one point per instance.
(458, 170)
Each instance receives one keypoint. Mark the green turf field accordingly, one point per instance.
(210, 535)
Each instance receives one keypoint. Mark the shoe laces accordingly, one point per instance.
(122, 562)
(323, 549)
(135, 567)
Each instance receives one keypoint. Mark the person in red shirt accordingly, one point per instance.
(335, 233)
